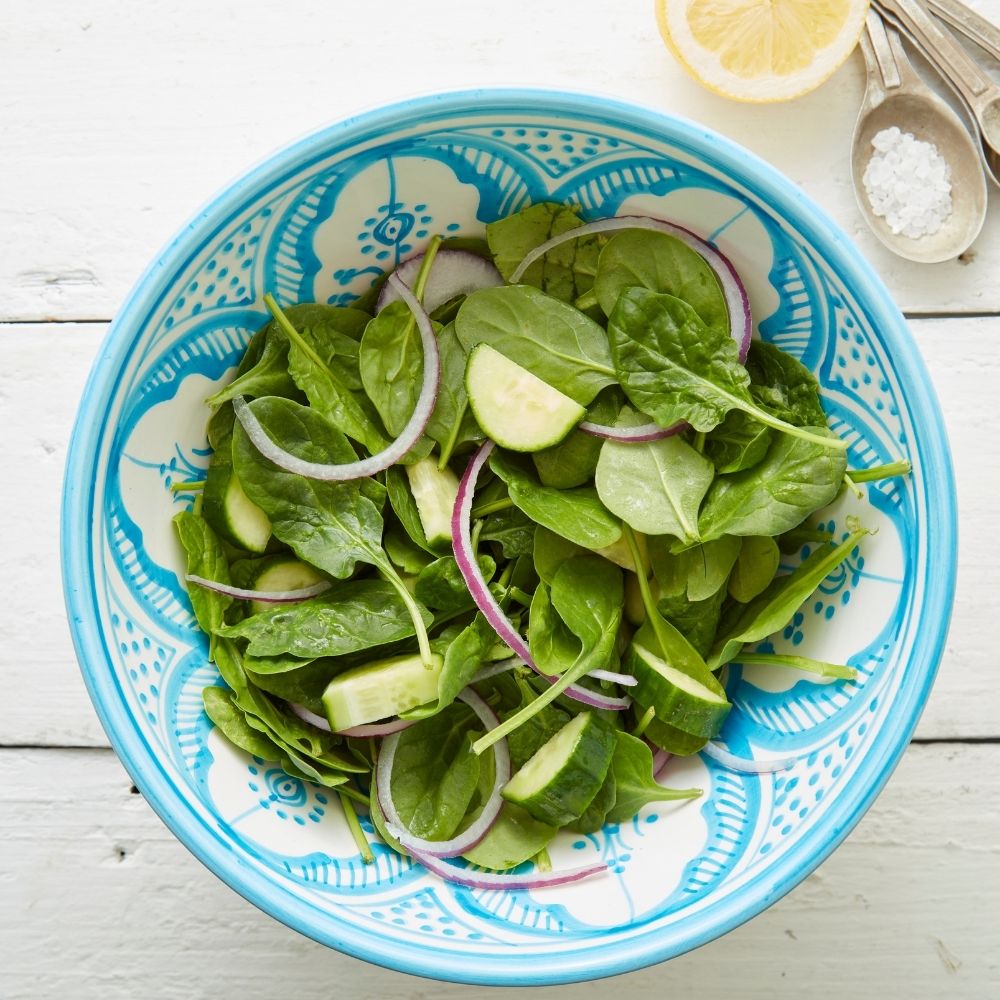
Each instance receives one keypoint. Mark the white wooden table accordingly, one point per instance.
(116, 120)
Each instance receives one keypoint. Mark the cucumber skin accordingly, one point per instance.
(676, 708)
(219, 481)
(565, 798)
(670, 738)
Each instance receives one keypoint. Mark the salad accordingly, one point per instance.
(476, 551)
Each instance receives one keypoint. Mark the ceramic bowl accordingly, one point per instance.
(315, 222)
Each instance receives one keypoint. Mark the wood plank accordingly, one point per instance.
(98, 897)
(38, 398)
(120, 120)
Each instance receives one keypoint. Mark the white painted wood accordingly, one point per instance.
(100, 902)
(39, 390)
(118, 119)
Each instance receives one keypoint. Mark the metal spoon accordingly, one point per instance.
(977, 90)
(964, 19)
(895, 95)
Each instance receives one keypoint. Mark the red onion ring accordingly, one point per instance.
(386, 728)
(390, 455)
(629, 435)
(311, 717)
(264, 596)
(745, 765)
(453, 273)
(461, 540)
(495, 880)
(737, 300)
(626, 680)
(467, 839)
(660, 759)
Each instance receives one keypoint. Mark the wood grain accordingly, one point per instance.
(101, 902)
(120, 119)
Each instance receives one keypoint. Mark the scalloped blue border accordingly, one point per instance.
(596, 960)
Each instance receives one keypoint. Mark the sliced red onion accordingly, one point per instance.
(453, 273)
(660, 759)
(467, 839)
(410, 435)
(495, 880)
(745, 765)
(461, 540)
(626, 680)
(264, 596)
(311, 717)
(494, 669)
(737, 300)
(629, 435)
(386, 728)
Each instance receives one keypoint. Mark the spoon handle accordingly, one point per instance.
(941, 48)
(878, 55)
(974, 26)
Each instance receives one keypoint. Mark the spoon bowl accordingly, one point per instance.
(896, 96)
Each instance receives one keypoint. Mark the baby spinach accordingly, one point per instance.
(709, 565)
(441, 586)
(638, 258)
(405, 507)
(738, 443)
(553, 646)
(231, 721)
(565, 272)
(697, 621)
(675, 368)
(452, 423)
(656, 486)
(783, 386)
(553, 340)
(514, 838)
(795, 478)
(774, 608)
(205, 558)
(268, 376)
(359, 614)
(596, 814)
(524, 742)
(758, 561)
(551, 551)
(511, 529)
(576, 514)
(635, 786)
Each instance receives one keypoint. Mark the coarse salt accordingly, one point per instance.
(908, 183)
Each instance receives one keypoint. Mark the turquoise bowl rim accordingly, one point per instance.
(598, 960)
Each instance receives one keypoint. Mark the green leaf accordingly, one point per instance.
(635, 786)
(512, 529)
(662, 263)
(576, 514)
(467, 653)
(709, 566)
(655, 486)
(205, 558)
(553, 646)
(738, 443)
(795, 478)
(452, 423)
(441, 586)
(783, 386)
(405, 507)
(331, 525)
(392, 365)
(525, 741)
(755, 568)
(231, 722)
(267, 376)
(554, 341)
(573, 461)
(596, 814)
(697, 621)
(565, 272)
(351, 616)
(551, 551)
(435, 775)
(774, 608)
(588, 594)
(514, 838)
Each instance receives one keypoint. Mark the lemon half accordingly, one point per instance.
(761, 50)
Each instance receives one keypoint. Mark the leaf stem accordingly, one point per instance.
(449, 446)
(849, 483)
(423, 643)
(542, 860)
(293, 335)
(357, 833)
(191, 485)
(699, 442)
(901, 468)
(820, 667)
(586, 301)
(764, 417)
(652, 615)
(425, 268)
(644, 722)
(491, 508)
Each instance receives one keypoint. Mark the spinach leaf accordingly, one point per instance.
(231, 722)
(514, 838)
(435, 774)
(205, 558)
(525, 741)
(466, 654)
(402, 550)
(268, 376)
(405, 507)
(565, 272)
(573, 461)
(512, 529)
(795, 478)
(452, 423)
(332, 334)
(783, 386)
(588, 594)
(675, 368)
(596, 814)
(576, 514)
(662, 263)
(774, 608)
(359, 614)
(441, 586)
(331, 525)
(709, 566)
(755, 568)
(657, 486)
(553, 646)
(697, 621)
(551, 551)
(392, 365)
(279, 663)
(635, 786)
(738, 443)
(553, 340)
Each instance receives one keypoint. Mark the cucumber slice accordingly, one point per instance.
(434, 491)
(670, 738)
(282, 573)
(380, 690)
(565, 774)
(231, 513)
(679, 699)
(515, 408)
